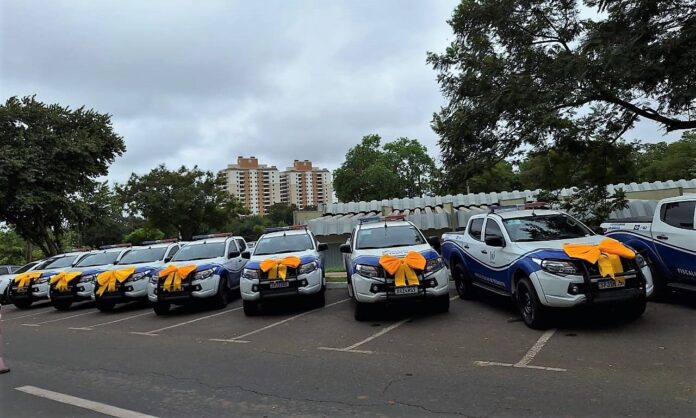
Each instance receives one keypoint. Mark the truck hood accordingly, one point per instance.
(554, 248)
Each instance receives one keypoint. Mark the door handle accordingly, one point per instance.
(466, 246)
(484, 252)
(662, 237)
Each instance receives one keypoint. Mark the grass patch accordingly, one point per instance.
(335, 269)
(335, 279)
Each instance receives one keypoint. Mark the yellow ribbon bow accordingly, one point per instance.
(403, 268)
(23, 280)
(278, 269)
(107, 280)
(62, 279)
(606, 255)
(174, 275)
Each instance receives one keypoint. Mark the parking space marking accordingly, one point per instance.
(155, 332)
(239, 339)
(38, 324)
(27, 315)
(352, 348)
(99, 407)
(528, 357)
(90, 327)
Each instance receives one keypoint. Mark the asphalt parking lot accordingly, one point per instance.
(477, 360)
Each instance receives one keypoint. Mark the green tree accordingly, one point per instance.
(537, 73)
(500, 177)
(137, 236)
(50, 157)
(401, 168)
(181, 202)
(280, 214)
(662, 161)
(250, 227)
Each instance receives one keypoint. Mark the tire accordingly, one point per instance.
(22, 304)
(363, 311)
(660, 290)
(161, 308)
(440, 304)
(6, 298)
(222, 297)
(319, 299)
(462, 281)
(635, 309)
(251, 307)
(105, 306)
(62, 305)
(533, 313)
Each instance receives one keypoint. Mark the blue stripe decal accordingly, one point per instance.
(373, 260)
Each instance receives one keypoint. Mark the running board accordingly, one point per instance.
(491, 289)
(682, 286)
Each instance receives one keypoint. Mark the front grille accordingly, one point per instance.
(291, 274)
(629, 266)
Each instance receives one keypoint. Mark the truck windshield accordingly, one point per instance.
(283, 244)
(61, 262)
(393, 236)
(200, 251)
(98, 259)
(25, 267)
(545, 228)
(143, 255)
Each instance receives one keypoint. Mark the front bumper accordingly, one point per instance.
(75, 292)
(125, 292)
(375, 290)
(190, 290)
(303, 284)
(569, 291)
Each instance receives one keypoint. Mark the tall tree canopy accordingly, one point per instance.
(181, 202)
(50, 157)
(401, 168)
(537, 72)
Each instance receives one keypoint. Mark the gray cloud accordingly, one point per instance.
(200, 82)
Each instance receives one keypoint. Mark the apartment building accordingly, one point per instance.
(259, 186)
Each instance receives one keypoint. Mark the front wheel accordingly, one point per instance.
(463, 283)
(635, 309)
(363, 311)
(161, 308)
(22, 304)
(660, 290)
(62, 305)
(251, 307)
(104, 306)
(221, 298)
(440, 304)
(533, 312)
(319, 299)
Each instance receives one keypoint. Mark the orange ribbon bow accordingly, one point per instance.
(23, 280)
(107, 280)
(62, 279)
(278, 269)
(403, 269)
(606, 255)
(174, 276)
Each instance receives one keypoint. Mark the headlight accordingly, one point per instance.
(154, 279)
(640, 260)
(88, 279)
(367, 271)
(42, 280)
(203, 274)
(250, 274)
(308, 267)
(138, 276)
(559, 267)
(436, 264)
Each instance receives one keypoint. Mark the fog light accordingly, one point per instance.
(255, 288)
(80, 289)
(374, 288)
(433, 283)
(573, 289)
(129, 288)
(303, 283)
(197, 287)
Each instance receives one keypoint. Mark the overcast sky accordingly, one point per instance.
(201, 82)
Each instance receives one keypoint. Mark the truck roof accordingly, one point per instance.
(522, 213)
(380, 224)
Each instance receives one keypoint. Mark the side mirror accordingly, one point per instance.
(435, 243)
(598, 230)
(495, 241)
(168, 258)
(345, 249)
(322, 246)
(233, 254)
(246, 255)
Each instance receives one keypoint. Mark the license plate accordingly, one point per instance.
(609, 284)
(406, 290)
(279, 284)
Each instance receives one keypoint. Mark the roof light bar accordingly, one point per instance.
(160, 241)
(388, 218)
(284, 228)
(206, 236)
(108, 247)
(537, 205)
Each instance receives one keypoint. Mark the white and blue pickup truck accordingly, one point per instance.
(667, 241)
(76, 284)
(6, 279)
(389, 260)
(127, 280)
(521, 253)
(33, 285)
(286, 262)
(206, 269)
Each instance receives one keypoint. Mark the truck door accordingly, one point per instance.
(495, 255)
(675, 238)
(473, 246)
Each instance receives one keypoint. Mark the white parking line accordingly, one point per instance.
(352, 348)
(99, 407)
(155, 332)
(524, 362)
(239, 339)
(38, 324)
(90, 327)
(29, 315)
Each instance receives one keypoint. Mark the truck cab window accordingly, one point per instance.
(679, 214)
(475, 228)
